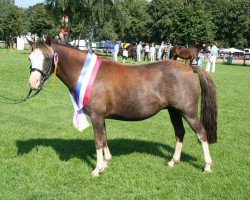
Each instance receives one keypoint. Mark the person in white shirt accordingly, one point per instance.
(212, 59)
(152, 52)
(124, 55)
(116, 50)
(138, 51)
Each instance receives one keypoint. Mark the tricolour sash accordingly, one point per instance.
(84, 85)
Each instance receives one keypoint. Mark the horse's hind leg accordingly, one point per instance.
(197, 127)
(101, 144)
(176, 120)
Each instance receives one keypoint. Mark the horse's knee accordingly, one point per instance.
(99, 140)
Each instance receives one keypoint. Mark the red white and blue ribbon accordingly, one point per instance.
(83, 88)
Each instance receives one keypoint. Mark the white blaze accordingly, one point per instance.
(37, 59)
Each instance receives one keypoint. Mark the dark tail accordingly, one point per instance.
(208, 104)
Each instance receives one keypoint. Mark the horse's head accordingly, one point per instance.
(201, 46)
(205, 47)
(42, 63)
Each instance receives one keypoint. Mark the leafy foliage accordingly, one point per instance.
(177, 21)
(12, 23)
(40, 22)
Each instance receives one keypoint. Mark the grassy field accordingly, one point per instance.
(42, 156)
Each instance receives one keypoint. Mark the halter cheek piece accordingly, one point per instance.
(46, 75)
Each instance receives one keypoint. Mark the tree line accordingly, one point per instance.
(183, 22)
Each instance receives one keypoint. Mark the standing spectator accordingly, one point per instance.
(168, 51)
(124, 55)
(61, 38)
(152, 52)
(212, 60)
(116, 51)
(197, 61)
(138, 51)
(159, 52)
(146, 52)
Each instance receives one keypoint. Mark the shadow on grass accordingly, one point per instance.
(85, 149)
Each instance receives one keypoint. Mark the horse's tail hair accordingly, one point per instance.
(208, 114)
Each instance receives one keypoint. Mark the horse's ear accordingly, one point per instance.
(48, 40)
(30, 42)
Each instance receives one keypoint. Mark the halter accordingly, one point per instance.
(45, 76)
(49, 70)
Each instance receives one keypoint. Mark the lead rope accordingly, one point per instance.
(56, 64)
(17, 101)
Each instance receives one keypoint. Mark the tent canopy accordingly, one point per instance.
(231, 50)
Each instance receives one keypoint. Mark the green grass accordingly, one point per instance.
(42, 156)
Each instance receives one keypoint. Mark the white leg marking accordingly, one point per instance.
(177, 155)
(207, 156)
(107, 154)
(100, 165)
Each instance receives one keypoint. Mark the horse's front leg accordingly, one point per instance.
(107, 154)
(101, 145)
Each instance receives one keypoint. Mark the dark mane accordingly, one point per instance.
(67, 45)
(43, 47)
(46, 49)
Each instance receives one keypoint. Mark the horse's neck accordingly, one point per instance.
(69, 64)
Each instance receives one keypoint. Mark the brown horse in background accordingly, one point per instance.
(186, 53)
(132, 93)
(131, 48)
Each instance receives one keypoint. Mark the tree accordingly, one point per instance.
(192, 24)
(136, 20)
(80, 15)
(12, 23)
(162, 18)
(107, 19)
(182, 22)
(40, 23)
(4, 7)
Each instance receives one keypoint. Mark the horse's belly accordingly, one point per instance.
(136, 110)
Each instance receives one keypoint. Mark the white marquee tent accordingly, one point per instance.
(231, 50)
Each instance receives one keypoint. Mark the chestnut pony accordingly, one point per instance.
(134, 93)
(186, 53)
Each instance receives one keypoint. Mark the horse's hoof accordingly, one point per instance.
(105, 165)
(94, 174)
(207, 171)
(207, 168)
(172, 163)
(108, 160)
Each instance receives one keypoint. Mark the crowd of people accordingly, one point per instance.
(152, 52)
(141, 51)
